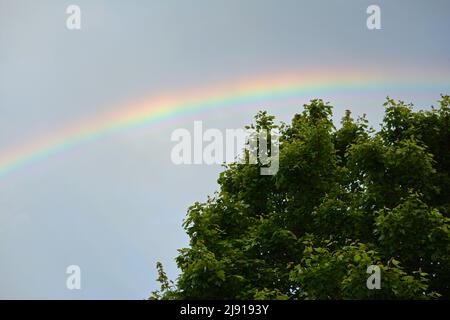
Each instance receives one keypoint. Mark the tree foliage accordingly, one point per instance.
(343, 199)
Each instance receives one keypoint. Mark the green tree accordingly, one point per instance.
(342, 200)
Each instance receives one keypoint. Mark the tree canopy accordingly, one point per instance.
(343, 199)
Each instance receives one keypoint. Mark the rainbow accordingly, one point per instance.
(242, 92)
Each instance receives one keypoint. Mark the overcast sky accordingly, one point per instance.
(115, 206)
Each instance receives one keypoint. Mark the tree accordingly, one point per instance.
(342, 200)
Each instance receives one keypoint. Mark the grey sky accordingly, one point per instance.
(115, 207)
